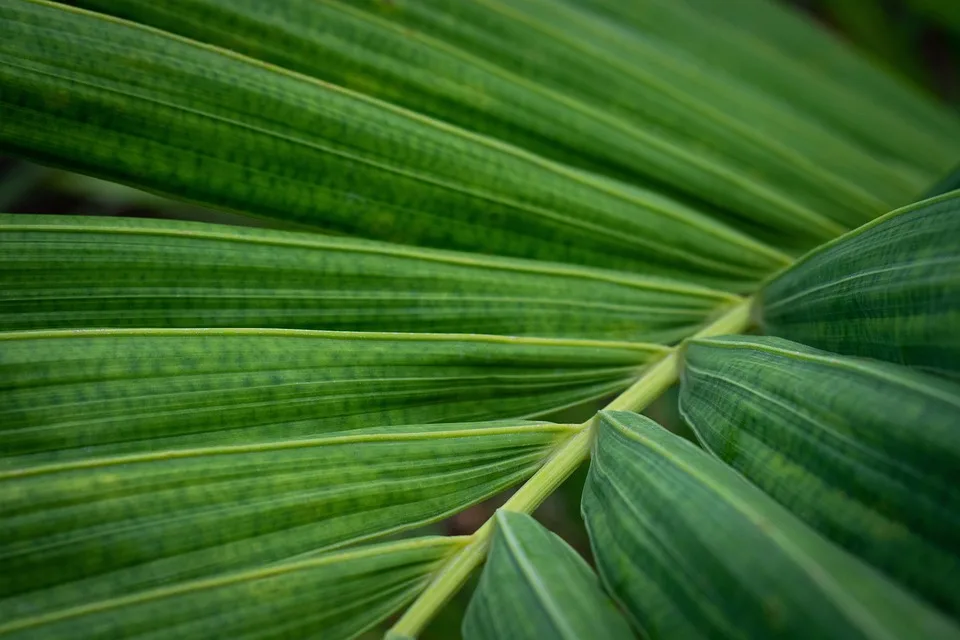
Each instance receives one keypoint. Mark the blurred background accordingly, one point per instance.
(916, 40)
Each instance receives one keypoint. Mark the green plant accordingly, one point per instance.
(210, 430)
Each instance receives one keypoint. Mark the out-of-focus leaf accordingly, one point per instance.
(334, 595)
(75, 272)
(439, 64)
(888, 290)
(944, 13)
(693, 550)
(535, 586)
(866, 452)
(950, 182)
(76, 393)
(112, 98)
(781, 51)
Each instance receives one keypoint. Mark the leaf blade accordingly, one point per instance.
(84, 272)
(107, 525)
(240, 134)
(535, 586)
(689, 547)
(889, 290)
(357, 589)
(830, 438)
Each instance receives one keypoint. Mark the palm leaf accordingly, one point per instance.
(211, 126)
(866, 452)
(103, 524)
(631, 121)
(355, 588)
(535, 586)
(781, 50)
(112, 390)
(76, 272)
(693, 550)
(888, 290)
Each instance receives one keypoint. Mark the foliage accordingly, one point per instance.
(489, 211)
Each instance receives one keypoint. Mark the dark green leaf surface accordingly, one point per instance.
(207, 125)
(693, 550)
(866, 452)
(333, 595)
(783, 52)
(535, 586)
(787, 165)
(675, 137)
(888, 290)
(950, 182)
(113, 390)
(79, 271)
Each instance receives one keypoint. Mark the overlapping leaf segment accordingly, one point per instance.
(206, 429)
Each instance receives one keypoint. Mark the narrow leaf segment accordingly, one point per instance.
(888, 290)
(358, 589)
(866, 452)
(74, 272)
(535, 586)
(692, 550)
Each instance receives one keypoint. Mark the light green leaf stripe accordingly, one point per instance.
(866, 452)
(211, 126)
(692, 550)
(112, 390)
(888, 290)
(80, 271)
(333, 595)
(535, 586)
(102, 524)
(368, 48)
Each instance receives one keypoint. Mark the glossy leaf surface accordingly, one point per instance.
(79, 271)
(866, 452)
(692, 550)
(888, 290)
(335, 595)
(535, 586)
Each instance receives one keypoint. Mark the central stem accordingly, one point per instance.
(564, 461)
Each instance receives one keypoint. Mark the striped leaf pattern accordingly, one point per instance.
(535, 586)
(357, 588)
(889, 290)
(79, 272)
(125, 519)
(71, 394)
(660, 121)
(692, 550)
(209, 430)
(866, 452)
(278, 144)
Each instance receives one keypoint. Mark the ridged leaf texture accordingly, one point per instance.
(888, 290)
(866, 452)
(535, 586)
(80, 271)
(212, 126)
(333, 595)
(567, 94)
(692, 550)
(114, 522)
(117, 390)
